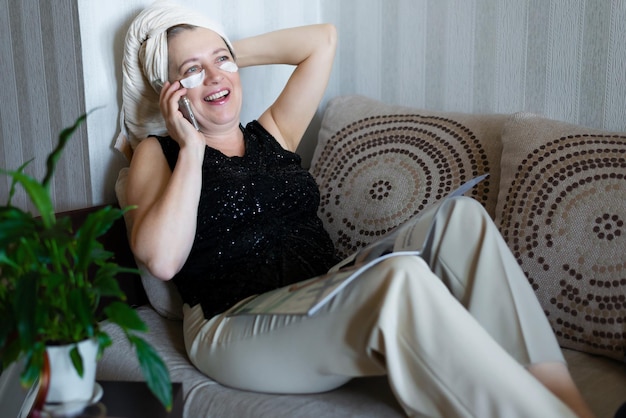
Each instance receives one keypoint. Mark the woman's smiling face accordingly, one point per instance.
(217, 98)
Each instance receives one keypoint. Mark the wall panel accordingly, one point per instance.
(563, 73)
(564, 59)
(615, 88)
(511, 21)
(42, 93)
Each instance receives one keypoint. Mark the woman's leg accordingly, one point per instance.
(399, 319)
(474, 262)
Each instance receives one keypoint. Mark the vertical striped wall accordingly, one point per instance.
(565, 59)
(42, 92)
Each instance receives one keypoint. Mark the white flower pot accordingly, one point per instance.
(66, 386)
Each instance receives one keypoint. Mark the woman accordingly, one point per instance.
(227, 212)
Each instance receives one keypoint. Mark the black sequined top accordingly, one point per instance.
(257, 227)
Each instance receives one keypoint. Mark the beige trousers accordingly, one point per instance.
(452, 331)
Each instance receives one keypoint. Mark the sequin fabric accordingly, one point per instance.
(257, 226)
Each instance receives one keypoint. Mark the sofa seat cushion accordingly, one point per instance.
(365, 397)
(561, 210)
(377, 165)
(602, 381)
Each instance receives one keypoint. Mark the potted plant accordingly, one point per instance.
(53, 280)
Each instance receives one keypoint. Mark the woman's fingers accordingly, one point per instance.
(177, 126)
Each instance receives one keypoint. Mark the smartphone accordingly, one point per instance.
(185, 108)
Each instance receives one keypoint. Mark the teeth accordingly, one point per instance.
(217, 96)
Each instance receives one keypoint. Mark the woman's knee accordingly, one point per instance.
(466, 207)
(404, 265)
(462, 220)
(405, 273)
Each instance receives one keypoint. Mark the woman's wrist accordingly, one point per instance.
(191, 153)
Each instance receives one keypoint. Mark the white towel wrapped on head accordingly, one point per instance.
(145, 68)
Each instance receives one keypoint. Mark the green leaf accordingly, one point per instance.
(34, 364)
(14, 224)
(54, 156)
(95, 225)
(82, 311)
(124, 316)
(13, 182)
(56, 284)
(60, 232)
(105, 283)
(104, 341)
(38, 194)
(5, 260)
(154, 371)
(77, 360)
(25, 308)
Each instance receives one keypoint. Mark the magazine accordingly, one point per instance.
(308, 296)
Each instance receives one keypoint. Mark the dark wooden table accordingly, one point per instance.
(132, 400)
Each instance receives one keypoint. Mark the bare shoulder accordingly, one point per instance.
(148, 173)
(147, 147)
(148, 156)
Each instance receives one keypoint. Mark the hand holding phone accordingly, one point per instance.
(185, 108)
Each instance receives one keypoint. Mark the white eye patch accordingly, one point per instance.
(193, 80)
(229, 67)
(197, 79)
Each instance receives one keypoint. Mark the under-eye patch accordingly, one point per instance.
(193, 80)
(229, 66)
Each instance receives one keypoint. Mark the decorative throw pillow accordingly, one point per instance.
(561, 209)
(377, 165)
(162, 295)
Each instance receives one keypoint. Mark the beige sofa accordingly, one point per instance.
(555, 190)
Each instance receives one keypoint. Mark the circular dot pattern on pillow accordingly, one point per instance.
(562, 211)
(377, 172)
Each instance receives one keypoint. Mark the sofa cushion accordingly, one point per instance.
(377, 165)
(561, 208)
(599, 379)
(162, 295)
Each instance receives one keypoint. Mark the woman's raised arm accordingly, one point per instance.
(312, 50)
